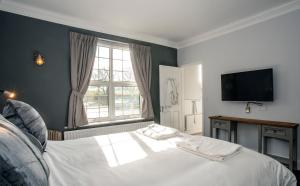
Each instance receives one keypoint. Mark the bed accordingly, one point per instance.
(132, 159)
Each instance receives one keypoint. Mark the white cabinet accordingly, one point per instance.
(193, 123)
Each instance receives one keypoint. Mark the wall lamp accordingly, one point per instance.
(8, 94)
(38, 58)
(248, 108)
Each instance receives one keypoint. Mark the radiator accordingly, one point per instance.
(54, 135)
(75, 134)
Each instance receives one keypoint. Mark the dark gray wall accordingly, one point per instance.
(274, 43)
(47, 88)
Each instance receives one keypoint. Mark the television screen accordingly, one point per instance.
(248, 86)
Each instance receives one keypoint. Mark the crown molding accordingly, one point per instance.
(46, 15)
(42, 14)
(241, 24)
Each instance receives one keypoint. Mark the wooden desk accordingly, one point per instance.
(266, 129)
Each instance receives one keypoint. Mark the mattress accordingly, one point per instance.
(132, 159)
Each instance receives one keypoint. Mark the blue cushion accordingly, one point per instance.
(21, 163)
(27, 119)
(3, 182)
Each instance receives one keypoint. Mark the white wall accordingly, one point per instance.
(274, 43)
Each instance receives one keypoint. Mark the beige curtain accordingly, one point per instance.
(83, 50)
(141, 64)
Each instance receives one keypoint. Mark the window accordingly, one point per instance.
(112, 93)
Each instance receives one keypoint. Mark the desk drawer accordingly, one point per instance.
(220, 124)
(279, 132)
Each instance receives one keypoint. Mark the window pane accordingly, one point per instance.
(96, 102)
(91, 102)
(128, 76)
(127, 101)
(117, 75)
(117, 65)
(92, 113)
(92, 91)
(103, 75)
(95, 75)
(127, 66)
(104, 63)
(117, 54)
(128, 72)
(117, 70)
(126, 55)
(126, 98)
(96, 64)
(103, 101)
(118, 101)
(104, 52)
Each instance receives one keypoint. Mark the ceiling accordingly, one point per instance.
(168, 21)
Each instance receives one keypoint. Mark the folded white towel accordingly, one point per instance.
(158, 132)
(213, 149)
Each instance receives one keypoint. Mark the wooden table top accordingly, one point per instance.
(256, 121)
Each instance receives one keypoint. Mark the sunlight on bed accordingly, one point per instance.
(120, 149)
(155, 145)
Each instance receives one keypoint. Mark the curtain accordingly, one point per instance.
(83, 50)
(141, 65)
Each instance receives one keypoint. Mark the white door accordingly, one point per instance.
(170, 91)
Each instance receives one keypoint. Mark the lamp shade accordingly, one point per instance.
(8, 94)
(38, 58)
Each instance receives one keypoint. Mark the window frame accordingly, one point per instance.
(111, 84)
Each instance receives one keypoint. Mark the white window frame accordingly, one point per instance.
(111, 85)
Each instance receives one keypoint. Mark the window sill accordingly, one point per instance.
(110, 123)
(116, 121)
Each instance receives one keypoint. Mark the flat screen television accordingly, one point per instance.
(248, 86)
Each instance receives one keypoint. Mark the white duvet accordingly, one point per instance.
(131, 159)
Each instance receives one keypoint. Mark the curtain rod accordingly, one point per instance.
(109, 40)
(114, 41)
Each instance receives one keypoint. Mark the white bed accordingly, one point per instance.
(133, 159)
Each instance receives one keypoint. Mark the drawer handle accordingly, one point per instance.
(217, 123)
(275, 131)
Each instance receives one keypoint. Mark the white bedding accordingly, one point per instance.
(135, 160)
(217, 150)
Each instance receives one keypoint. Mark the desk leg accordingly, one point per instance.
(211, 129)
(292, 149)
(291, 152)
(259, 128)
(295, 148)
(229, 132)
(235, 132)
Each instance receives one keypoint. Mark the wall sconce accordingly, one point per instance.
(8, 94)
(38, 58)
